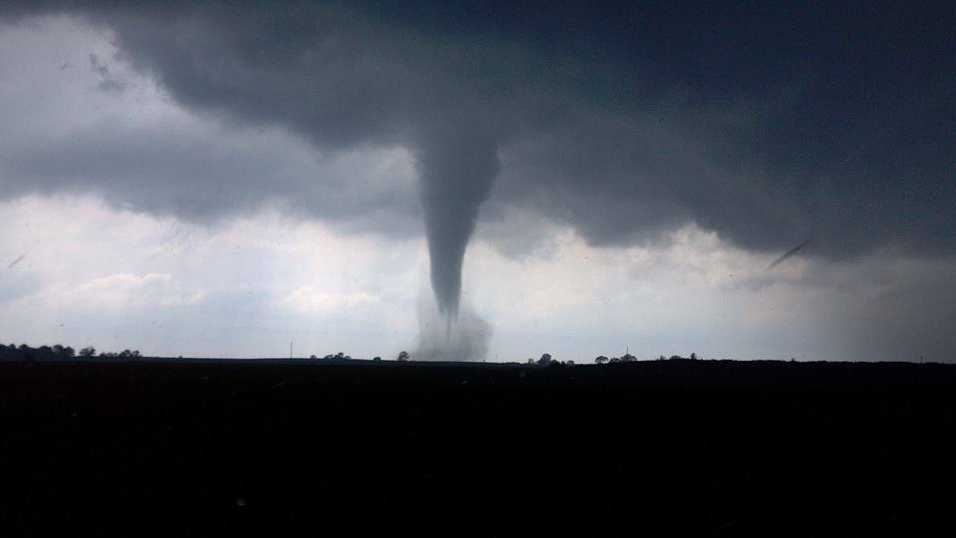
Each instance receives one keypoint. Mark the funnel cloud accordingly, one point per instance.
(457, 168)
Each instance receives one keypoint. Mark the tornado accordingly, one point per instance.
(457, 166)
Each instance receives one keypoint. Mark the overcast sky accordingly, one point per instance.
(222, 180)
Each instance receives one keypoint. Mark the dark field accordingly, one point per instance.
(277, 449)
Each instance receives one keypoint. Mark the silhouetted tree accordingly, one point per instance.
(600, 360)
(403, 356)
(26, 352)
(693, 356)
(88, 352)
(545, 359)
(376, 359)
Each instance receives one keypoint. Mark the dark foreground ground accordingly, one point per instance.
(269, 449)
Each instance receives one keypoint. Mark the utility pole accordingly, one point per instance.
(290, 350)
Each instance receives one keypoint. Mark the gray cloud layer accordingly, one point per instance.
(846, 141)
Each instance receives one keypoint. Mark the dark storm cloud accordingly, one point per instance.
(171, 169)
(765, 125)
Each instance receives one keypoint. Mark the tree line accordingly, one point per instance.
(24, 352)
(627, 357)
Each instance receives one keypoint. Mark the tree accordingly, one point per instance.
(63, 352)
(545, 359)
(376, 359)
(693, 356)
(88, 352)
(600, 360)
(403, 356)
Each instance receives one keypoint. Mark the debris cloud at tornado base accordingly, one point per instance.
(466, 339)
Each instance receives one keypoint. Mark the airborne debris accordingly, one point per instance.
(787, 254)
(16, 261)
